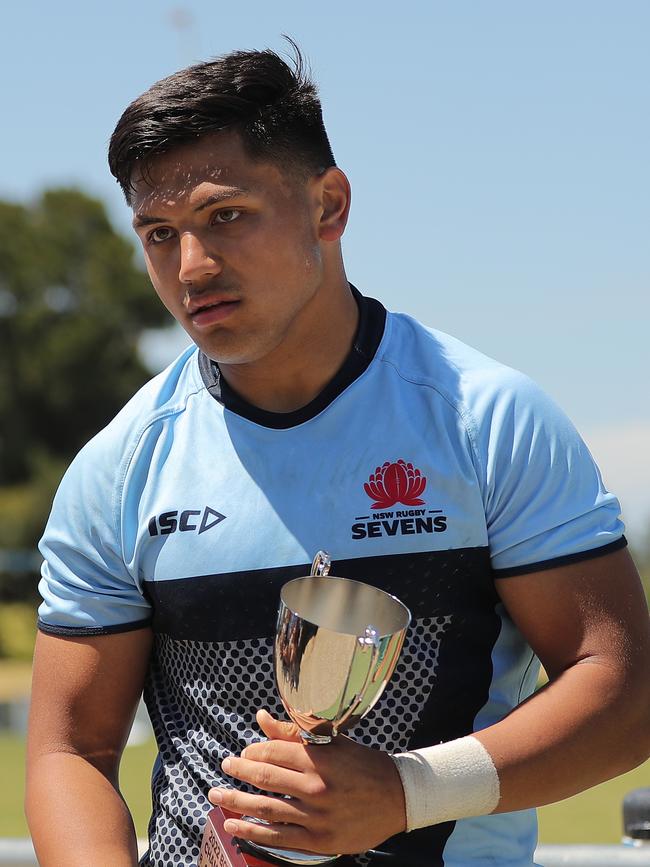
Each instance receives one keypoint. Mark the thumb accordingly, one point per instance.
(276, 729)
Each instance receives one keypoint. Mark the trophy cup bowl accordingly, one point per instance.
(336, 646)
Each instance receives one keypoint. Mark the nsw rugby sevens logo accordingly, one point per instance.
(392, 483)
(395, 483)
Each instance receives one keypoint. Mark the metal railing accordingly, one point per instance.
(592, 856)
(20, 853)
(636, 823)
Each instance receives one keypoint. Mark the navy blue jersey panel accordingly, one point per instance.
(202, 692)
(244, 604)
(464, 667)
(218, 608)
(421, 848)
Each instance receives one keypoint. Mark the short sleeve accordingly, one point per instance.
(86, 586)
(545, 501)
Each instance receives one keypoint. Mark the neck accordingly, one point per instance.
(298, 370)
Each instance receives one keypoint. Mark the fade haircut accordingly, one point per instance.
(273, 106)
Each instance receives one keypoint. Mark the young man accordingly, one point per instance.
(307, 417)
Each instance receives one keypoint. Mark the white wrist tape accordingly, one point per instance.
(449, 781)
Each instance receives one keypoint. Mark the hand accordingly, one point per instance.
(344, 797)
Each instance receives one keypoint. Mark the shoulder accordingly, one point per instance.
(470, 381)
(166, 394)
(106, 456)
(501, 411)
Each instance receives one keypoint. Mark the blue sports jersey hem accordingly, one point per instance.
(565, 560)
(81, 631)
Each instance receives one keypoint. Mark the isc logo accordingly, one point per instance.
(185, 522)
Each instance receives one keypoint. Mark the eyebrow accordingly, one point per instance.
(222, 196)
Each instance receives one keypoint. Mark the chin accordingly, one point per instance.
(230, 354)
(225, 347)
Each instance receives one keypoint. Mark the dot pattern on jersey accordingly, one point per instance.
(202, 700)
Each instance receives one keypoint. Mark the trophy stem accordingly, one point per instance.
(310, 739)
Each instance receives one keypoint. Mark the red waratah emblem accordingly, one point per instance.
(395, 483)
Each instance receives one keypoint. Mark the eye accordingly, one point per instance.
(159, 235)
(228, 215)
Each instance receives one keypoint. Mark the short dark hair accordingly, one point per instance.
(273, 106)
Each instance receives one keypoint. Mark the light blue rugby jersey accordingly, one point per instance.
(425, 469)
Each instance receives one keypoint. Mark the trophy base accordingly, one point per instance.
(220, 849)
(289, 856)
(285, 856)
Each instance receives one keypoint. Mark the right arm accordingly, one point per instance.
(85, 693)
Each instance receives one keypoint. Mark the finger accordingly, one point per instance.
(269, 778)
(273, 810)
(281, 753)
(277, 729)
(278, 836)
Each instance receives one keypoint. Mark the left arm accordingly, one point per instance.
(587, 622)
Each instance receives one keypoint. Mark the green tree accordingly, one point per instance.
(73, 304)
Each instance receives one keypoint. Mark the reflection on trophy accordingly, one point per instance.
(336, 646)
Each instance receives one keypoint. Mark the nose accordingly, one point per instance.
(197, 263)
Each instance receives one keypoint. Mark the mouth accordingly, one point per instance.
(208, 313)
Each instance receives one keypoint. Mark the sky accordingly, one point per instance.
(497, 151)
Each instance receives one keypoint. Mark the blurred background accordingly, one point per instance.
(498, 155)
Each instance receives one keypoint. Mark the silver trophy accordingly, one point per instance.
(336, 646)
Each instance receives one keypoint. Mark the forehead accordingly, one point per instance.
(214, 163)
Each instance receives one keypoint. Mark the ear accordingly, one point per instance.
(334, 195)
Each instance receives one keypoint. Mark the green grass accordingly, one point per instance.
(135, 782)
(12, 762)
(15, 679)
(17, 631)
(592, 817)
(595, 816)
